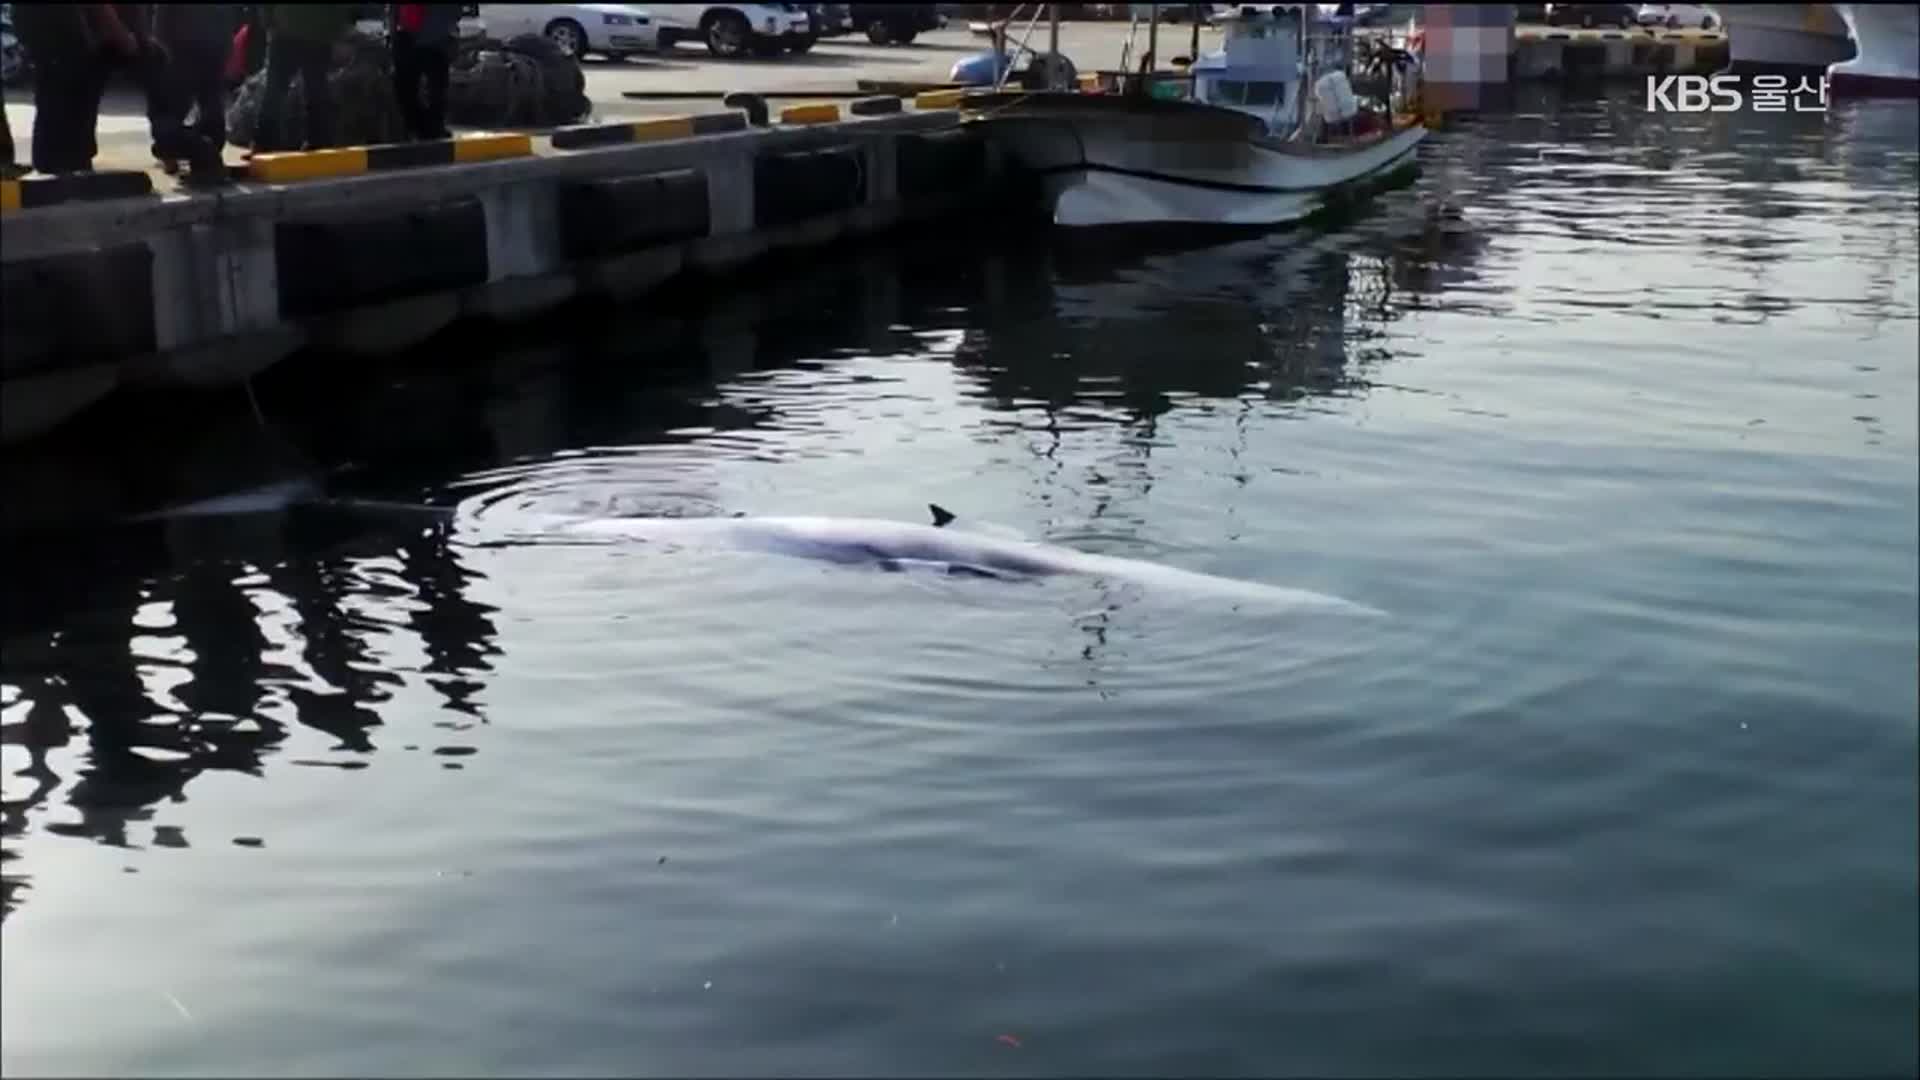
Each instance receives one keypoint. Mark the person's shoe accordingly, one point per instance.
(209, 170)
(170, 166)
(13, 171)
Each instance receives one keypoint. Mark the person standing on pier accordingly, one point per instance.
(300, 41)
(422, 36)
(10, 169)
(197, 38)
(76, 49)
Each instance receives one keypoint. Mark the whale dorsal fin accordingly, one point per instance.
(941, 515)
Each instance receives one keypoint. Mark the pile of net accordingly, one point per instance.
(523, 82)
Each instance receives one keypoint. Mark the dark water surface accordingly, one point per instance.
(1614, 413)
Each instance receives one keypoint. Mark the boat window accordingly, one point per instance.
(1230, 91)
(1263, 93)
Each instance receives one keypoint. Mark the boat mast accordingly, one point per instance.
(1153, 39)
(1053, 47)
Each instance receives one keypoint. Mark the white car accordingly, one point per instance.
(1675, 16)
(734, 30)
(611, 30)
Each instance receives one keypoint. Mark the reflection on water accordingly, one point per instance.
(1617, 408)
(201, 665)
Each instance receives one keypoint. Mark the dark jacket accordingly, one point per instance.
(203, 25)
(52, 30)
(438, 29)
(310, 22)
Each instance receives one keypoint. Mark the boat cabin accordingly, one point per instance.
(1257, 71)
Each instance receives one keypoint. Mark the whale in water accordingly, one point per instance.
(896, 545)
(876, 542)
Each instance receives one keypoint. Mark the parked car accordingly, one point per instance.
(887, 24)
(611, 30)
(1590, 15)
(1675, 16)
(830, 20)
(734, 30)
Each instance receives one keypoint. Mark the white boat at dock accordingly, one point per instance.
(1242, 138)
(1886, 61)
(1800, 39)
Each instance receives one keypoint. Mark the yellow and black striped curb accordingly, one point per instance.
(358, 160)
(32, 192)
(579, 136)
(819, 112)
(938, 99)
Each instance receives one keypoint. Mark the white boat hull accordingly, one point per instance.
(1886, 40)
(1114, 168)
(1802, 38)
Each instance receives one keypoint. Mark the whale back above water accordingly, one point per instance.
(898, 545)
(890, 545)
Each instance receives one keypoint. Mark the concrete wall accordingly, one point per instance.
(105, 297)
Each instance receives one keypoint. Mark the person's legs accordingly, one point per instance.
(204, 84)
(55, 89)
(433, 64)
(267, 124)
(406, 82)
(315, 58)
(90, 86)
(8, 166)
(153, 71)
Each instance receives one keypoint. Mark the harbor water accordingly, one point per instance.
(1614, 413)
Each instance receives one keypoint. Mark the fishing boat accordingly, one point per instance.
(1789, 39)
(1263, 132)
(1886, 60)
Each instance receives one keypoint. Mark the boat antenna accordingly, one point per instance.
(1153, 47)
(1054, 67)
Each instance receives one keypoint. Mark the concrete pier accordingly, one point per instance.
(335, 251)
(1549, 53)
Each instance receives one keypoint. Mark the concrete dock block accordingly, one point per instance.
(518, 298)
(356, 160)
(338, 263)
(881, 105)
(718, 123)
(797, 185)
(491, 146)
(630, 276)
(30, 192)
(614, 216)
(281, 168)
(938, 99)
(724, 253)
(226, 361)
(587, 136)
(822, 112)
(385, 329)
(665, 127)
